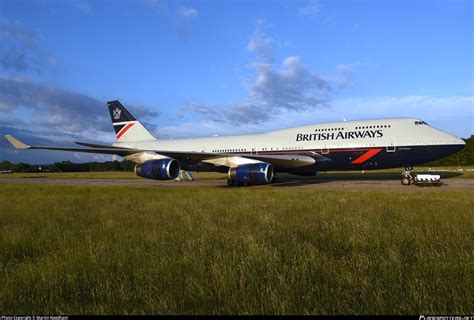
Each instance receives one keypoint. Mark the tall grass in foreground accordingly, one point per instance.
(77, 250)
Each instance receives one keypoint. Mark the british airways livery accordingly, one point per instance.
(255, 159)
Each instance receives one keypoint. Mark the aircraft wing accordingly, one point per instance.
(286, 160)
(104, 150)
(226, 159)
(93, 145)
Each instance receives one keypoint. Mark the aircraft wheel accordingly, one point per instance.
(406, 181)
(408, 168)
(231, 183)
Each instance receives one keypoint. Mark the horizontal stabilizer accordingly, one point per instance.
(16, 143)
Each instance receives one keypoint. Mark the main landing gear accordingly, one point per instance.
(407, 177)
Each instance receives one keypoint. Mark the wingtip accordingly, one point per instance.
(16, 143)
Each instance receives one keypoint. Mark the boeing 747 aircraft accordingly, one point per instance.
(254, 159)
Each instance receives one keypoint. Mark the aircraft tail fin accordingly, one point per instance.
(127, 128)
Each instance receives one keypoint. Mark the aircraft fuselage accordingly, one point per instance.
(349, 145)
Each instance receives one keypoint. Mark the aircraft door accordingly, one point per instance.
(391, 145)
(324, 149)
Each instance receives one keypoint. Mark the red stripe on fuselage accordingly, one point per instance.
(301, 151)
(124, 129)
(366, 156)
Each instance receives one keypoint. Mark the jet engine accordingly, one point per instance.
(254, 173)
(160, 169)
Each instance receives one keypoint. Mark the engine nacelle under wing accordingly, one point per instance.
(159, 169)
(254, 173)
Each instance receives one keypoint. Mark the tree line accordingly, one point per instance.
(68, 166)
(464, 157)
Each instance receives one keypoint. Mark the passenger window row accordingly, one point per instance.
(374, 127)
(329, 129)
(229, 150)
(263, 149)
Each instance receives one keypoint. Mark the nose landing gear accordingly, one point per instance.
(407, 177)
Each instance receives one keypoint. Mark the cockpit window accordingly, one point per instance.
(417, 123)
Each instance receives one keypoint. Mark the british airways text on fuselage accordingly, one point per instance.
(339, 135)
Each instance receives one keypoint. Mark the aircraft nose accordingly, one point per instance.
(454, 142)
(460, 141)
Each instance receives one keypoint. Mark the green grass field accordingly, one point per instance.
(142, 250)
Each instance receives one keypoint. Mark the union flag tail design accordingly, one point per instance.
(126, 127)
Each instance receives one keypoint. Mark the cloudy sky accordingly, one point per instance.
(199, 68)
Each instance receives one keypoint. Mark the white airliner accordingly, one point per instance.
(254, 159)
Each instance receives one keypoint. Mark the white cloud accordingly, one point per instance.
(82, 6)
(186, 17)
(183, 17)
(59, 113)
(187, 12)
(276, 89)
(160, 7)
(290, 87)
(259, 43)
(453, 114)
(20, 47)
(311, 9)
(347, 68)
(427, 107)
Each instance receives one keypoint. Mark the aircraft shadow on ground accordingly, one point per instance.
(348, 177)
(298, 183)
(295, 181)
(365, 176)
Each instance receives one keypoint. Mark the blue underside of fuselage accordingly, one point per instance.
(346, 159)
